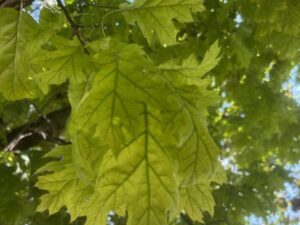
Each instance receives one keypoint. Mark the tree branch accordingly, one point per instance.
(46, 128)
(75, 28)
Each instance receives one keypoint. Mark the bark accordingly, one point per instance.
(46, 128)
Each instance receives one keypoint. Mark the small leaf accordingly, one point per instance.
(155, 17)
(67, 61)
(190, 71)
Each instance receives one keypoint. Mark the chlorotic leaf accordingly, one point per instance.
(164, 151)
(129, 95)
(121, 85)
(141, 181)
(155, 17)
(140, 143)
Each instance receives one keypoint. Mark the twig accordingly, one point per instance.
(74, 26)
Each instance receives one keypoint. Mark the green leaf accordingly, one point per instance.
(196, 199)
(187, 122)
(67, 61)
(190, 71)
(290, 20)
(17, 30)
(118, 89)
(141, 181)
(220, 175)
(197, 152)
(155, 17)
(50, 22)
(14, 195)
(242, 54)
(267, 11)
(119, 110)
(78, 90)
(65, 184)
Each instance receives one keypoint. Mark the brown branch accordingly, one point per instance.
(75, 28)
(46, 128)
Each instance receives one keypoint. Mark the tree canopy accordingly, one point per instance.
(149, 112)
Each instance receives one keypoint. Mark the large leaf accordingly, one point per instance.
(120, 107)
(187, 123)
(140, 181)
(17, 30)
(117, 92)
(155, 17)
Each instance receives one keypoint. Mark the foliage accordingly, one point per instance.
(155, 88)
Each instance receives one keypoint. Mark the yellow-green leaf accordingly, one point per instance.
(115, 99)
(141, 181)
